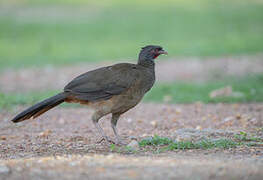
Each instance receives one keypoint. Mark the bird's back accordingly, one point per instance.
(114, 88)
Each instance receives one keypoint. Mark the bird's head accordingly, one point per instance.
(150, 52)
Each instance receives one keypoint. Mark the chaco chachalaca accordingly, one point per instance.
(114, 89)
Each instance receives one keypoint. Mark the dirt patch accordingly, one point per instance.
(180, 166)
(62, 144)
(70, 130)
(50, 77)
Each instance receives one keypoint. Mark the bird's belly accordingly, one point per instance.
(118, 103)
(124, 102)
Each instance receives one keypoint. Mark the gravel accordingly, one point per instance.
(61, 144)
(70, 130)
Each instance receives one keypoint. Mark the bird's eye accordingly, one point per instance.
(157, 50)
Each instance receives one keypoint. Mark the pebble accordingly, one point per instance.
(230, 118)
(134, 145)
(129, 120)
(198, 127)
(45, 133)
(167, 98)
(145, 135)
(178, 111)
(4, 169)
(154, 124)
(133, 138)
(184, 138)
(3, 138)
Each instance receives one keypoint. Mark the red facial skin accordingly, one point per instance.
(156, 53)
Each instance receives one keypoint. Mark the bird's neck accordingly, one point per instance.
(147, 63)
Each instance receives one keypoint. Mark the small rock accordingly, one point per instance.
(45, 133)
(226, 92)
(4, 169)
(238, 116)
(178, 111)
(145, 135)
(222, 92)
(227, 119)
(140, 121)
(198, 127)
(129, 120)
(154, 124)
(134, 145)
(2, 137)
(184, 138)
(133, 138)
(167, 98)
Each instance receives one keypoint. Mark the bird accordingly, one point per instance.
(107, 90)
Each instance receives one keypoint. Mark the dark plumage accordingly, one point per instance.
(113, 89)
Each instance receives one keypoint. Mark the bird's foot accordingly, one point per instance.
(107, 139)
(110, 141)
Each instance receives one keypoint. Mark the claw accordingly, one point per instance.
(106, 139)
(100, 141)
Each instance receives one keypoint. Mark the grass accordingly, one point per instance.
(7, 101)
(169, 144)
(162, 144)
(159, 144)
(187, 92)
(111, 30)
(243, 136)
(178, 92)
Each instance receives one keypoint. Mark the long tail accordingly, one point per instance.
(39, 108)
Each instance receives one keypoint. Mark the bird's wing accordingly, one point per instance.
(103, 83)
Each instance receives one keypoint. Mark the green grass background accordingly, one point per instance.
(115, 29)
(180, 92)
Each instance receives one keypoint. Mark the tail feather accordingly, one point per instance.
(40, 108)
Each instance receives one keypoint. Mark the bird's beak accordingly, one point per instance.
(163, 52)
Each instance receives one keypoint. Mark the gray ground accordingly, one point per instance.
(172, 166)
(62, 144)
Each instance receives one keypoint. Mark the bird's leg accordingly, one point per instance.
(114, 120)
(95, 119)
